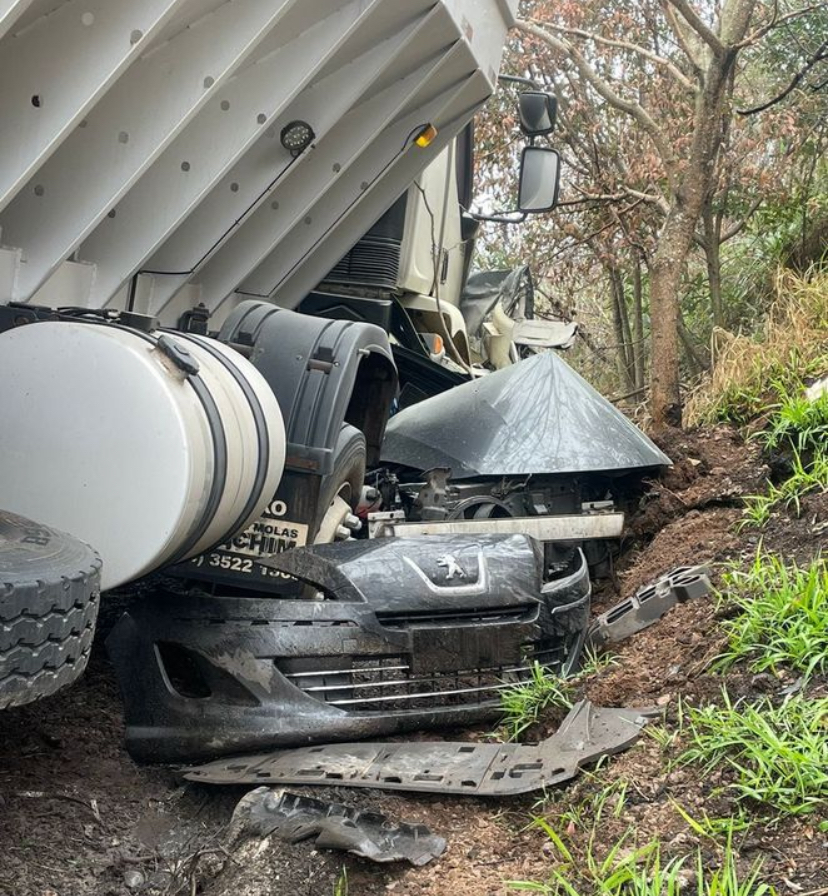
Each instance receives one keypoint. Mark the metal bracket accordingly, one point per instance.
(649, 604)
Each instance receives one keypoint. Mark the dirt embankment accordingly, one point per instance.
(79, 818)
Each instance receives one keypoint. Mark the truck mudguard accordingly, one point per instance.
(323, 372)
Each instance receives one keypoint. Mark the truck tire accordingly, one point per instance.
(49, 598)
(348, 475)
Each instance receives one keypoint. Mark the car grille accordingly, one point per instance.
(457, 617)
(387, 684)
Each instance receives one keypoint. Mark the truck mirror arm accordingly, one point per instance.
(504, 217)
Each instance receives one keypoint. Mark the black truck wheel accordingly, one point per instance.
(49, 597)
(344, 482)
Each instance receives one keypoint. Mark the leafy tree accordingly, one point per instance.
(660, 165)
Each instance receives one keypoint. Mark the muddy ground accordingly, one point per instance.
(79, 818)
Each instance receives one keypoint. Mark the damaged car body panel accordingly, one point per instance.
(266, 812)
(587, 734)
(404, 634)
(537, 417)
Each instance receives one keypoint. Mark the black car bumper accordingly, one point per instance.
(392, 647)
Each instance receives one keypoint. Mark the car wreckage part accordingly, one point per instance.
(49, 597)
(413, 633)
(586, 735)
(537, 417)
(266, 812)
(569, 527)
(148, 445)
(648, 605)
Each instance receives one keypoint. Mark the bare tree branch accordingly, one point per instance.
(738, 226)
(627, 45)
(601, 87)
(777, 20)
(697, 24)
(658, 201)
(820, 55)
(686, 38)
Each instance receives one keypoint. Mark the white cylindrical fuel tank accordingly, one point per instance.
(152, 447)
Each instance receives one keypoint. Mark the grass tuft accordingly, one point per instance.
(779, 754)
(341, 887)
(523, 703)
(798, 422)
(782, 618)
(642, 872)
(799, 426)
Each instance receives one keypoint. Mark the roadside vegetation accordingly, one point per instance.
(773, 755)
(625, 870)
(777, 616)
(756, 374)
(759, 384)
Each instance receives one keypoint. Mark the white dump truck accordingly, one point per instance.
(162, 162)
(235, 239)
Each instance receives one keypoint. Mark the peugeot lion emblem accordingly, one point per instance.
(452, 567)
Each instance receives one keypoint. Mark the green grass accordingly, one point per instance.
(609, 800)
(642, 872)
(341, 887)
(801, 427)
(713, 828)
(806, 477)
(523, 703)
(778, 755)
(782, 618)
(798, 423)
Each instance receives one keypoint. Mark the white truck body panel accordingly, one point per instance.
(140, 153)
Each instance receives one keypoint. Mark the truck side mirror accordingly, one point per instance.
(538, 111)
(540, 177)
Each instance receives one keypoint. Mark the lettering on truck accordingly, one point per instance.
(270, 534)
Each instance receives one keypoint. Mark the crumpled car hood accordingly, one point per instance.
(538, 416)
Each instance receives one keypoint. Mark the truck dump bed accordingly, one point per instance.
(142, 161)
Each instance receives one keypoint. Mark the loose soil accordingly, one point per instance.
(79, 818)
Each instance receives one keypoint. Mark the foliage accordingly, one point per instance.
(643, 871)
(341, 887)
(778, 755)
(751, 375)
(523, 703)
(798, 422)
(594, 256)
(782, 618)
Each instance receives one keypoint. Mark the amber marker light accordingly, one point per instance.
(426, 136)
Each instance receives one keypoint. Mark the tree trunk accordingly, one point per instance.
(712, 255)
(621, 342)
(667, 267)
(638, 323)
